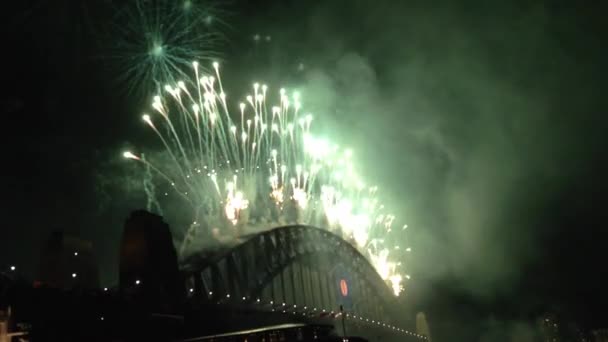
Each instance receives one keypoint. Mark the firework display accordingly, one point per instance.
(256, 165)
(152, 42)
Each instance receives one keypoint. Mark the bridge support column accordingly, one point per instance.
(148, 263)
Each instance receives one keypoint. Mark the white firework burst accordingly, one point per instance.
(255, 166)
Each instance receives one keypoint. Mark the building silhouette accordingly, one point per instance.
(67, 262)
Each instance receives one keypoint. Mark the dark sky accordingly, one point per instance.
(486, 120)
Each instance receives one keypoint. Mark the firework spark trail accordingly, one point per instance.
(262, 168)
(150, 190)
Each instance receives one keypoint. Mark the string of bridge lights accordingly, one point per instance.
(285, 309)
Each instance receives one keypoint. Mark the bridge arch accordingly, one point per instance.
(294, 268)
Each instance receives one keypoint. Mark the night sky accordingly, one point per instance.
(483, 122)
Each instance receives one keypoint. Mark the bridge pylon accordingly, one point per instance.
(148, 264)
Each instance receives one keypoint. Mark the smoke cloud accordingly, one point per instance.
(457, 111)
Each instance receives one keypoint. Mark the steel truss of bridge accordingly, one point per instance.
(303, 272)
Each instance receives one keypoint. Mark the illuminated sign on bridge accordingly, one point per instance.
(344, 287)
